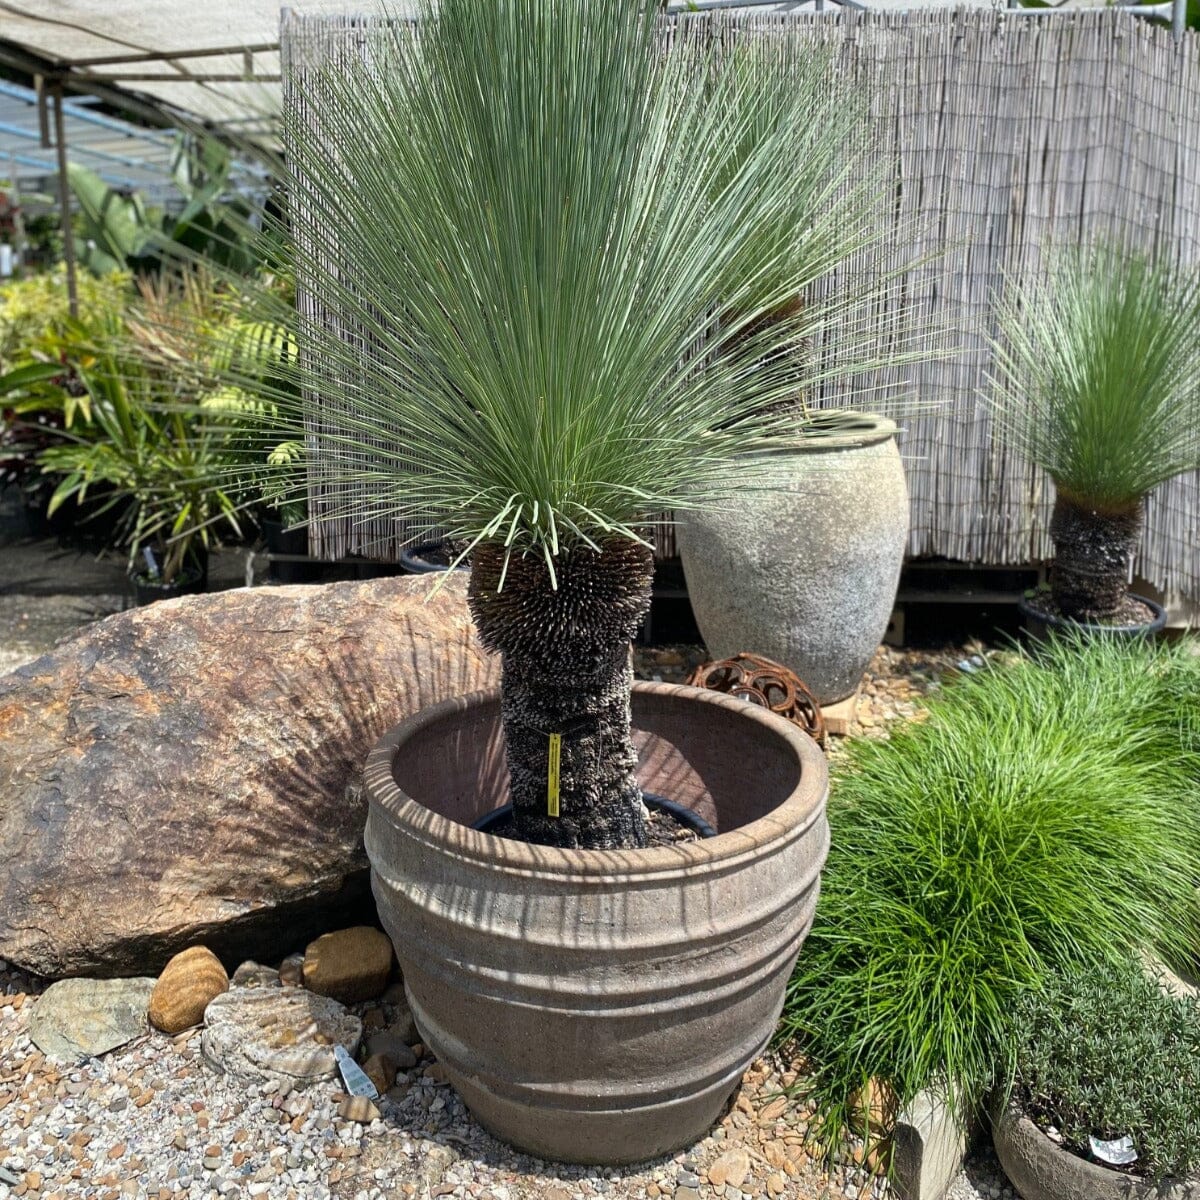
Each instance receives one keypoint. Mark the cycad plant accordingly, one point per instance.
(1099, 385)
(538, 206)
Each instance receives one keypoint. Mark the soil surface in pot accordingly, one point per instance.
(1132, 611)
(663, 828)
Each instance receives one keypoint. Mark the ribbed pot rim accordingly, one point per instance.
(1014, 1131)
(787, 820)
(871, 429)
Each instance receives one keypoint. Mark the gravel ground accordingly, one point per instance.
(152, 1120)
(30, 625)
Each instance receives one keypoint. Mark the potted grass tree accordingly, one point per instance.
(1098, 384)
(531, 211)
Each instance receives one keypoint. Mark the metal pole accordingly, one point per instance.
(20, 242)
(64, 200)
(1178, 18)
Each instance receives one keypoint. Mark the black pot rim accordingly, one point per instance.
(412, 560)
(1053, 621)
(186, 576)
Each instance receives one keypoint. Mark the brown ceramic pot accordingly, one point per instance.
(599, 1006)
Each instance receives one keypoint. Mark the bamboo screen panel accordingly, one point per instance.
(1002, 134)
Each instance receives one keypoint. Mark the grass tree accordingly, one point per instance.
(536, 208)
(1099, 385)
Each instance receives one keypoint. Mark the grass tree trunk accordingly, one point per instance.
(1092, 553)
(565, 687)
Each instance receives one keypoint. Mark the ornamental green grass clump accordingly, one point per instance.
(1105, 1052)
(1046, 814)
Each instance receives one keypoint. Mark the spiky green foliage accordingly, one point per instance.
(1106, 1052)
(157, 438)
(1046, 813)
(1098, 374)
(537, 211)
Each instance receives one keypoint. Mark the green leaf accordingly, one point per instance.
(27, 374)
(73, 485)
(116, 223)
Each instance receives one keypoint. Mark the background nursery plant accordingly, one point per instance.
(534, 276)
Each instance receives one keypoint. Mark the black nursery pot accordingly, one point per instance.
(281, 540)
(420, 561)
(1039, 625)
(191, 581)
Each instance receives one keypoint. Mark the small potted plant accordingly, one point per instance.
(164, 468)
(1105, 1101)
(264, 444)
(284, 523)
(1098, 384)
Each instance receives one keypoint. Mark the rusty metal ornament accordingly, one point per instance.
(769, 684)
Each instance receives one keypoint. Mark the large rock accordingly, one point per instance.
(188, 772)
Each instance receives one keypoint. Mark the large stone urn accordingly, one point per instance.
(599, 1006)
(804, 564)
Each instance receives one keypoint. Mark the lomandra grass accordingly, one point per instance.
(1047, 813)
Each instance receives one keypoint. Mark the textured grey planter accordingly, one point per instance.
(803, 565)
(1041, 1170)
(599, 1006)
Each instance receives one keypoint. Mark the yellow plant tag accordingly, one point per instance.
(552, 771)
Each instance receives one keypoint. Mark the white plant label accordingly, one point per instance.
(1117, 1153)
(353, 1076)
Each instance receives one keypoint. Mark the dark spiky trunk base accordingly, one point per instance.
(566, 671)
(1092, 553)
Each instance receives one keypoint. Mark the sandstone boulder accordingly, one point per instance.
(189, 982)
(187, 772)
